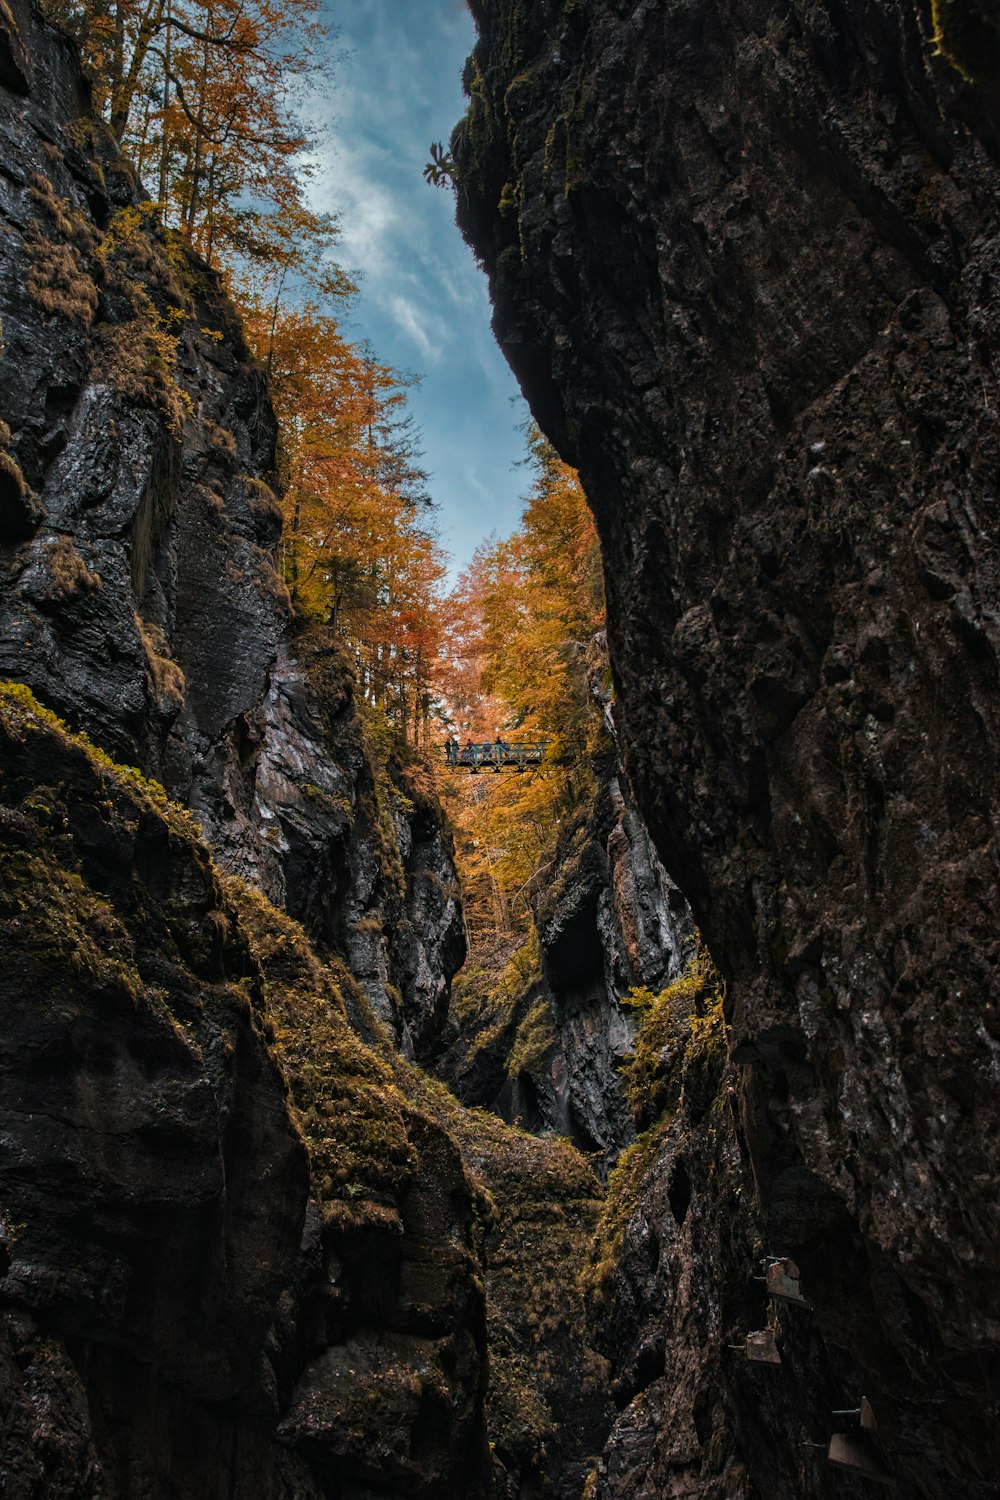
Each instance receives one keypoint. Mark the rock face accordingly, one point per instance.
(133, 1054)
(235, 1259)
(178, 1077)
(139, 525)
(609, 920)
(742, 261)
(541, 1041)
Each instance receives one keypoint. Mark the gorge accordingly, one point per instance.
(279, 1217)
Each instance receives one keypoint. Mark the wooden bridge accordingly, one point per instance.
(498, 755)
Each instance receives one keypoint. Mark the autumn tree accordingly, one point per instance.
(202, 97)
(359, 552)
(521, 660)
(199, 94)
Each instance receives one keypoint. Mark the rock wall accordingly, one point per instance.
(742, 260)
(247, 1249)
(540, 1033)
(138, 589)
(235, 1258)
(608, 919)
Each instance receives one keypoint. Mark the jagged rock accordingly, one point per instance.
(15, 65)
(396, 1408)
(153, 1222)
(609, 920)
(741, 262)
(160, 494)
(152, 1182)
(158, 1290)
(544, 1048)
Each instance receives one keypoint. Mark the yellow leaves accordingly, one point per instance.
(202, 96)
(677, 1027)
(358, 553)
(525, 613)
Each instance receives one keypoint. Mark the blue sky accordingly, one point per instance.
(423, 305)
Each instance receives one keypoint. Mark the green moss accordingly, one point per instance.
(338, 807)
(64, 933)
(547, 1386)
(488, 998)
(533, 1042)
(11, 470)
(510, 200)
(676, 1026)
(516, 38)
(21, 716)
(509, 263)
(91, 136)
(626, 1186)
(352, 1116)
(681, 1052)
(59, 926)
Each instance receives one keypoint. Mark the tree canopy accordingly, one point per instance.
(523, 629)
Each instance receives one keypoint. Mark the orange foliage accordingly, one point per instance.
(359, 553)
(198, 94)
(522, 624)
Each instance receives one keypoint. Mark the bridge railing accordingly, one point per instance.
(496, 756)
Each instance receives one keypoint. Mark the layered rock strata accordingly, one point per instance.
(742, 260)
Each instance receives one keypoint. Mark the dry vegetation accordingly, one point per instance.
(69, 574)
(167, 678)
(11, 471)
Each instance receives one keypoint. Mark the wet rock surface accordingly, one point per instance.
(172, 1315)
(742, 262)
(609, 920)
(541, 1040)
(152, 1183)
(179, 1074)
(139, 596)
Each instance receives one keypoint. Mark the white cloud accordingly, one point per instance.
(426, 330)
(423, 301)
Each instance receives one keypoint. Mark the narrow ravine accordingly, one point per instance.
(531, 1034)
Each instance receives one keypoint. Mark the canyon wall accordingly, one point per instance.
(236, 1257)
(248, 1249)
(743, 259)
(539, 1028)
(139, 595)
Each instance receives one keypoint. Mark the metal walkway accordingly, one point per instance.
(501, 755)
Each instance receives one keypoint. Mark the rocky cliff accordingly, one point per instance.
(742, 259)
(235, 1257)
(539, 1029)
(247, 1248)
(138, 589)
